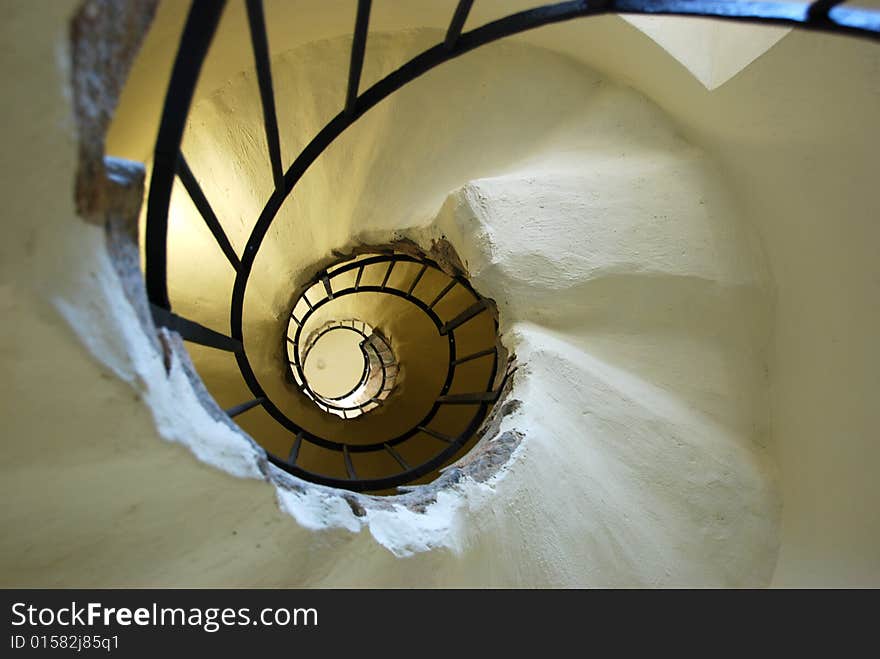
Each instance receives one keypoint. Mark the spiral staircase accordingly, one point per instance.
(334, 440)
(659, 413)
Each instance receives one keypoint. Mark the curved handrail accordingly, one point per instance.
(453, 359)
(201, 24)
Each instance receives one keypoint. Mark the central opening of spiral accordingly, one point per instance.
(348, 367)
(393, 361)
(336, 365)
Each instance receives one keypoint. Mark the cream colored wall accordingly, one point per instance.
(795, 133)
(794, 140)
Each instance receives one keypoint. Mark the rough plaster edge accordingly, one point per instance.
(105, 38)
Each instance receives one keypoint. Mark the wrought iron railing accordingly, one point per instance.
(321, 290)
(168, 163)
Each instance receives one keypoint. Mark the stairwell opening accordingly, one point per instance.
(390, 362)
(348, 368)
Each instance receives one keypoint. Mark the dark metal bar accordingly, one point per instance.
(244, 407)
(294, 450)
(397, 457)
(476, 355)
(358, 45)
(201, 23)
(388, 273)
(357, 282)
(382, 258)
(437, 435)
(396, 479)
(298, 322)
(443, 293)
(818, 11)
(201, 203)
(457, 23)
(418, 278)
(260, 43)
(349, 467)
(326, 281)
(468, 399)
(192, 331)
(473, 310)
(306, 298)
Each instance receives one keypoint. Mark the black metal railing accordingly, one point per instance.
(168, 161)
(321, 291)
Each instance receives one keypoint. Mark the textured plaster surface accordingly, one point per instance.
(642, 346)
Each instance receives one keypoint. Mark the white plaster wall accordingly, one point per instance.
(822, 364)
(795, 134)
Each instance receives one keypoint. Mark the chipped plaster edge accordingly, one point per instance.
(155, 362)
